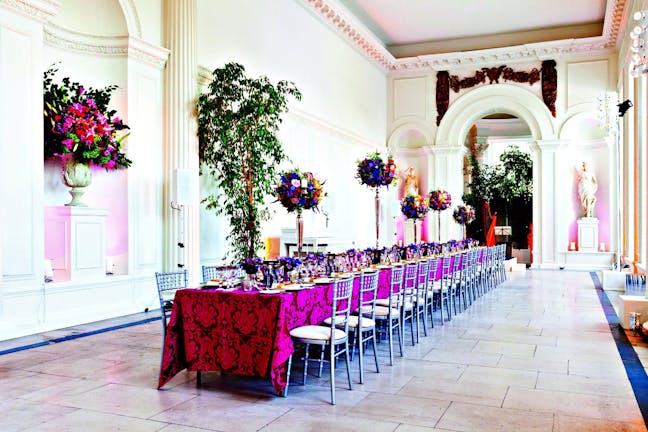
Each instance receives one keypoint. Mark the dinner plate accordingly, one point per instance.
(271, 291)
(382, 267)
(307, 285)
(322, 280)
(293, 287)
(214, 284)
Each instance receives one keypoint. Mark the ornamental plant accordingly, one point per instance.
(299, 191)
(238, 121)
(439, 200)
(414, 207)
(464, 214)
(373, 171)
(79, 125)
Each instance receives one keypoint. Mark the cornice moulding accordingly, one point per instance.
(132, 47)
(39, 10)
(356, 34)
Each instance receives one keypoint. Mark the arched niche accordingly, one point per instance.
(493, 99)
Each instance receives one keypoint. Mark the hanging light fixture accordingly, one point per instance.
(639, 44)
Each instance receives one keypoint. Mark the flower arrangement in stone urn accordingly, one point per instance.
(299, 191)
(375, 171)
(438, 201)
(81, 131)
(463, 214)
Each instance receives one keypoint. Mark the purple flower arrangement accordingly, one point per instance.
(79, 126)
(414, 207)
(251, 265)
(464, 214)
(439, 200)
(289, 263)
(299, 191)
(373, 171)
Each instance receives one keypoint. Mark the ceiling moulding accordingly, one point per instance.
(132, 47)
(41, 10)
(343, 22)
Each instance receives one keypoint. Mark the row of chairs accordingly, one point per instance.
(415, 295)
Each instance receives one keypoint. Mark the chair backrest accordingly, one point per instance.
(423, 275)
(167, 284)
(342, 289)
(367, 294)
(433, 269)
(219, 272)
(396, 286)
(410, 281)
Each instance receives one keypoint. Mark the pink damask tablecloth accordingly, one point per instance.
(246, 333)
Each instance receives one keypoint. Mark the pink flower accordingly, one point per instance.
(295, 182)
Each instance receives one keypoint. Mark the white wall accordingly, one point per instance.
(341, 117)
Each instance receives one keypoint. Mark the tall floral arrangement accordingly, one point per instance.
(79, 126)
(464, 214)
(375, 171)
(299, 191)
(414, 207)
(439, 200)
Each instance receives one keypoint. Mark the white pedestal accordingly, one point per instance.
(408, 231)
(588, 235)
(628, 304)
(75, 241)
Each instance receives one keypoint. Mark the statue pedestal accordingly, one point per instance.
(408, 231)
(588, 234)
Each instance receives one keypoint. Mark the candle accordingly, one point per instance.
(602, 247)
(304, 183)
(572, 246)
(109, 265)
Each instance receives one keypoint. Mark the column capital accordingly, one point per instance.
(552, 145)
(37, 10)
(438, 150)
(147, 52)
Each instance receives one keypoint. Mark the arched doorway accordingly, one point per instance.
(528, 107)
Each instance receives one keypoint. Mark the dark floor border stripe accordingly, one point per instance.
(634, 369)
(79, 335)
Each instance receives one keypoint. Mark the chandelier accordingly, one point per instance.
(639, 44)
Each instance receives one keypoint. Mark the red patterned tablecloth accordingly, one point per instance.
(246, 333)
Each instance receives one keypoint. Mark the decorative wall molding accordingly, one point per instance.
(337, 17)
(148, 53)
(351, 29)
(132, 18)
(40, 10)
(84, 43)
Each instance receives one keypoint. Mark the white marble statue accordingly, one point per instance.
(587, 187)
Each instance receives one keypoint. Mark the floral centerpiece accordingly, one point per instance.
(439, 200)
(251, 265)
(414, 207)
(80, 130)
(299, 191)
(464, 214)
(374, 171)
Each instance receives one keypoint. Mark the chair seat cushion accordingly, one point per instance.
(367, 323)
(316, 333)
(385, 302)
(383, 311)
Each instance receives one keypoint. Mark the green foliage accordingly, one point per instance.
(238, 119)
(508, 187)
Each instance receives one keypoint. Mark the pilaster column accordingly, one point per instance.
(549, 197)
(180, 141)
(445, 168)
(21, 145)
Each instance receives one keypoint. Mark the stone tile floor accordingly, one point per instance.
(535, 354)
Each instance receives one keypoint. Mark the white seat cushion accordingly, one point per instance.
(383, 311)
(339, 320)
(316, 333)
(366, 322)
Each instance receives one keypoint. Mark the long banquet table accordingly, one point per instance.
(246, 333)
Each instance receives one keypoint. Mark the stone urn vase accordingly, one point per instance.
(77, 176)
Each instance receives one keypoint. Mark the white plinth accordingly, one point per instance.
(588, 235)
(75, 241)
(408, 231)
(627, 304)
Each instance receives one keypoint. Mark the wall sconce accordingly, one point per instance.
(624, 106)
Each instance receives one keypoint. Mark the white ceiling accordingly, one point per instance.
(414, 27)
